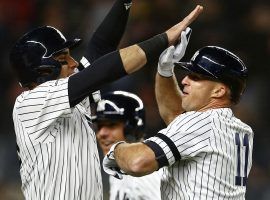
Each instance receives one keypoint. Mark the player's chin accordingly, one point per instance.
(105, 148)
(185, 105)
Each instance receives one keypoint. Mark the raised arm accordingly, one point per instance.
(167, 91)
(119, 63)
(109, 33)
(107, 37)
(168, 97)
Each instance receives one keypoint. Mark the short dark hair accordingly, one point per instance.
(237, 87)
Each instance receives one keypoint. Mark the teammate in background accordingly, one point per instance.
(57, 147)
(205, 152)
(120, 116)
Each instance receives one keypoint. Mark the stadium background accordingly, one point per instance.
(242, 26)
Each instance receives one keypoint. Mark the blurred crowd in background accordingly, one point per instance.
(242, 26)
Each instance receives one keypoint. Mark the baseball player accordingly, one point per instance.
(120, 116)
(57, 147)
(205, 152)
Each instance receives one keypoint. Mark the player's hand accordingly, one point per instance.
(173, 54)
(109, 163)
(174, 32)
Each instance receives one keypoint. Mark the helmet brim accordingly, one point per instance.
(190, 67)
(98, 118)
(71, 44)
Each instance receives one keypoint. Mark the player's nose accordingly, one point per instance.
(103, 132)
(185, 80)
(73, 63)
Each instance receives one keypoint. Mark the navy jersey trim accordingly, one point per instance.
(159, 153)
(171, 145)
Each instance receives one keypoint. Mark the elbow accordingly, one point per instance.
(140, 166)
(136, 159)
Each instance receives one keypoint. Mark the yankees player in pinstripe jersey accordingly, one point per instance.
(121, 116)
(56, 145)
(205, 151)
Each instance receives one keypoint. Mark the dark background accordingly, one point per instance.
(242, 26)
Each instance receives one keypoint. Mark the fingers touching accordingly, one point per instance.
(174, 32)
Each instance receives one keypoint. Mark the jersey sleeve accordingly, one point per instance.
(185, 137)
(42, 107)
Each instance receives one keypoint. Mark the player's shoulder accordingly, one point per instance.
(209, 114)
(226, 115)
(40, 91)
(195, 119)
(49, 86)
(191, 116)
(52, 84)
(243, 125)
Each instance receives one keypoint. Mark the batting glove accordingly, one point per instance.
(173, 54)
(109, 164)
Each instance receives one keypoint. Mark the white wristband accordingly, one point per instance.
(110, 155)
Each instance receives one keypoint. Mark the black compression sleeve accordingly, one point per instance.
(104, 70)
(109, 33)
(154, 46)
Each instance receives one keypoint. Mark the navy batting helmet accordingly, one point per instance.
(122, 106)
(220, 65)
(31, 55)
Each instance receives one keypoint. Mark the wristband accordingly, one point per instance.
(110, 155)
(154, 46)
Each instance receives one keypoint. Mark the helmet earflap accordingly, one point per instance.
(48, 70)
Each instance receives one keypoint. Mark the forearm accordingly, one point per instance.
(168, 97)
(114, 66)
(136, 159)
(136, 56)
(103, 71)
(133, 58)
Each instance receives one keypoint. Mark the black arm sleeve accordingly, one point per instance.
(154, 46)
(104, 70)
(109, 33)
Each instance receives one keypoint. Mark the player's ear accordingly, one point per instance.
(219, 90)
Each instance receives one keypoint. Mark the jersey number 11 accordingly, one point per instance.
(239, 180)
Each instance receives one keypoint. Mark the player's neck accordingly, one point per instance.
(31, 86)
(216, 104)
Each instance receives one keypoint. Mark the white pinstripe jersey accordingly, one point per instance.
(135, 188)
(209, 156)
(57, 146)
